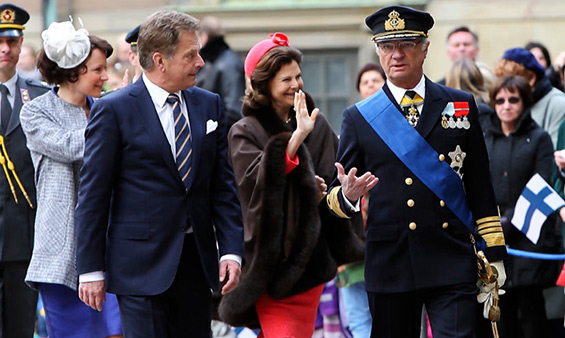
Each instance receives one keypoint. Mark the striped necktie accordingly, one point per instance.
(408, 103)
(182, 140)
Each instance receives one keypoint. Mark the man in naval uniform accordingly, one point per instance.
(17, 189)
(424, 143)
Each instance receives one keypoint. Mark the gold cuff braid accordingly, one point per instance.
(333, 203)
(490, 229)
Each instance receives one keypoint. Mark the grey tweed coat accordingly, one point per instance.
(55, 137)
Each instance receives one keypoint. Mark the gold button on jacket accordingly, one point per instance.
(445, 225)
(412, 226)
(410, 203)
(408, 181)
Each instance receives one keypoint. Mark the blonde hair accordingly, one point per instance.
(465, 75)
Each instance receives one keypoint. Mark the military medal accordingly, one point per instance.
(413, 116)
(457, 156)
(466, 123)
(25, 95)
(461, 112)
(408, 103)
(444, 122)
(447, 120)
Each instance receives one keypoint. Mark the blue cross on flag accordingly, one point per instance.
(538, 200)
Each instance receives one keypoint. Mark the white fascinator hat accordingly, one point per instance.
(66, 46)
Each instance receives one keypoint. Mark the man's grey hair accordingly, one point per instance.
(160, 33)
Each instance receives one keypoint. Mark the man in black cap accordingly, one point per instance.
(131, 38)
(17, 213)
(423, 141)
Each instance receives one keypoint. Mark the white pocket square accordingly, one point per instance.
(211, 126)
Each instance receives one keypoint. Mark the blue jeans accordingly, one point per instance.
(357, 309)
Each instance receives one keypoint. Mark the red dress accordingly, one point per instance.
(291, 317)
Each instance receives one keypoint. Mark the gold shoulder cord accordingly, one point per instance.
(5, 159)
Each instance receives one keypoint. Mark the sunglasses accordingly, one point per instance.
(511, 99)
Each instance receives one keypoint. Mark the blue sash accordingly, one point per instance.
(416, 153)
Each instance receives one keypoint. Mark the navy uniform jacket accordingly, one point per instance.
(16, 220)
(413, 240)
(133, 208)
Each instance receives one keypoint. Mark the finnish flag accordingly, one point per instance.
(538, 200)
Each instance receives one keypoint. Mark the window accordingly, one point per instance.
(329, 77)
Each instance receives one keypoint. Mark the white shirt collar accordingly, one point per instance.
(158, 94)
(398, 92)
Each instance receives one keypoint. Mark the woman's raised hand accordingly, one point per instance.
(304, 121)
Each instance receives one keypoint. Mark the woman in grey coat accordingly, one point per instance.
(54, 125)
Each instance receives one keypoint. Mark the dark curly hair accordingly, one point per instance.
(258, 95)
(55, 75)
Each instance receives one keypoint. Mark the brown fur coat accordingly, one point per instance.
(292, 242)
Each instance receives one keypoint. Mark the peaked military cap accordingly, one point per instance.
(12, 20)
(132, 35)
(399, 23)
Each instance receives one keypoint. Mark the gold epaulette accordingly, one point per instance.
(7, 164)
(490, 229)
(333, 202)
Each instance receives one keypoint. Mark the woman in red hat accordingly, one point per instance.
(283, 152)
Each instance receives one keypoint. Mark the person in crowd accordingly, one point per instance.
(465, 75)
(548, 110)
(283, 152)
(463, 43)
(17, 300)
(26, 66)
(158, 221)
(433, 192)
(131, 38)
(54, 125)
(350, 278)
(223, 71)
(541, 54)
(370, 78)
(518, 149)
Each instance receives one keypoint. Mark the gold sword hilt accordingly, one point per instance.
(488, 275)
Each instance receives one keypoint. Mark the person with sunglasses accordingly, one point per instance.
(518, 148)
(423, 143)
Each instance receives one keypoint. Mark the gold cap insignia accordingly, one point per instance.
(7, 16)
(394, 22)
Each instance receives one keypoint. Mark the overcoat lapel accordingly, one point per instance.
(431, 112)
(18, 103)
(150, 120)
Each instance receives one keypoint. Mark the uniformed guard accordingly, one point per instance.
(17, 190)
(434, 196)
(131, 38)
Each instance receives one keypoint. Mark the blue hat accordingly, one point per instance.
(399, 23)
(525, 58)
(132, 35)
(12, 20)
